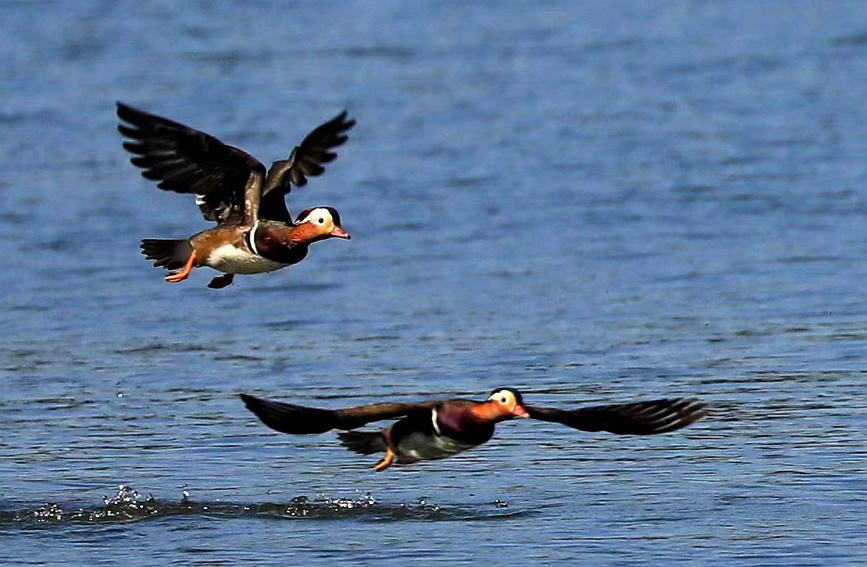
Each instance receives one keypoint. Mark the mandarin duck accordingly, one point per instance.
(442, 428)
(255, 232)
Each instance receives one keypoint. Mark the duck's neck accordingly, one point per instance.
(489, 412)
(304, 233)
(279, 242)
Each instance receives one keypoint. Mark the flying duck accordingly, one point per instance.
(442, 428)
(255, 232)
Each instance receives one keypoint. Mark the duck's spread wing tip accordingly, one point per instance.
(185, 160)
(640, 418)
(289, 418)
(307, 159)
(294, 419)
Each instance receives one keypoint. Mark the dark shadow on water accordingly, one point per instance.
(289, 287)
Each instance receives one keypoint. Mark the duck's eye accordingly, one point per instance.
(321, 220)
(504, 400)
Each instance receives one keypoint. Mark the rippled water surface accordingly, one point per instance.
(592, 202)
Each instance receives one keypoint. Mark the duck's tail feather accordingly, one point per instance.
(171, 254)
(362, 442)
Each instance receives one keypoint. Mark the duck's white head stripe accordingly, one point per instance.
(436, 426)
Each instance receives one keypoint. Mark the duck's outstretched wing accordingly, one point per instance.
(640, 418)
(306, 160)
(227, 181)
(303, 420)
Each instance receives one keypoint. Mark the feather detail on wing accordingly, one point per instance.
(641, 418)
(306, 160)
(303, 420)
(185, 160)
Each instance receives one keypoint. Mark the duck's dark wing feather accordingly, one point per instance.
(302, 420)
(306, 160)
(185, 160)
(641, 418)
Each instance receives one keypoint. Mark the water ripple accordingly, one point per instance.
(127, 505)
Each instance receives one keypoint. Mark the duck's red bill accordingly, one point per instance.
(520, 411)
(338, 232)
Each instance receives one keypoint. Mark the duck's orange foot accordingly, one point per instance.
(185, 272)
(386, 461)
(176, 277)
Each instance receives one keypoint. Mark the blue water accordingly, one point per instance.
(592, 202)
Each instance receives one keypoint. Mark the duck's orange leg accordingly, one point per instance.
(390, 453)
(185, 272)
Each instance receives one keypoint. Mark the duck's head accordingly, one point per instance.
(324, 221)
(508, 403)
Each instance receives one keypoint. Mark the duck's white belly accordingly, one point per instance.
(232, 260)
(418, 446)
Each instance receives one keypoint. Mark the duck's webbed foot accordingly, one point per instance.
(390, 453)
(386, 461)
(181, 275)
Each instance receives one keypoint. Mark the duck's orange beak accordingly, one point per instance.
(520, 411)
(338, 232)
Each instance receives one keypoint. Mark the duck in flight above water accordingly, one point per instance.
(255, 232)
(442, 428)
